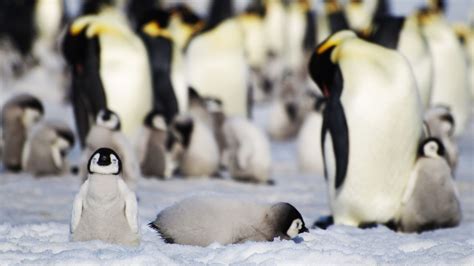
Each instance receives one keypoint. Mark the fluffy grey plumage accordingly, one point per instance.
(202, 220)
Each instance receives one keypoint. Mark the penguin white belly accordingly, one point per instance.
(414, 47)
(295, 28)
(274, 25)
(126, 78)
(310, 155)
(178, 79)
(450, 72)
(384, 121)
(48, 16)
(255, 43)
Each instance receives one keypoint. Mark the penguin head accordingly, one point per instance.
(156, 120)
(289, 221)
(440, 116)
(65, 140)
(32, 111)
(156, 23)
(437, 5)
(182, 129)
(432, 148)
(108, 119)
(323, 63)
(105, 161)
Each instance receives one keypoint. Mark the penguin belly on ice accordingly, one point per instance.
(203, 220)
(106, 133)
(431, 199)
(105, 208)
(47, 147)
(247, 151)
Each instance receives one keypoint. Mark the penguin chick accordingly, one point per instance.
(203, 220)
(105, 208)
(431, 199)
(106, 133)
(47, 147)
(247, 151)
(192, 147)
(440, 124)
(19, 114)
(151, 145)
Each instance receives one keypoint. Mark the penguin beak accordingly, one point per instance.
(304, 230)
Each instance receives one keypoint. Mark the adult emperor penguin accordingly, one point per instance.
(226, 221)
(46, 149)
(331, 20)
(105, 208)
(151, 145)
(448, 61)
(106, 133)
(431, 199)
(215, 60)
(366, 183)
(440, 124)
(110, 69)
(19, 114)
(247, 153)
(192, 147)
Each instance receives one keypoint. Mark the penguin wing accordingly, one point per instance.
(78, 205)
(57, 158)
(131, 208)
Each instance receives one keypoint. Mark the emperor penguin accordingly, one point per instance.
(331, 20)
(440, 124)
(105, 208)
(247, 153)
(110, 69)
(465, 34)
(151, 146)
(215, 60)
(431, 199)
(366, 183)
(192, 148)
(448, 62)
(226, 221)
(106, 133)
(19, 114)
(47, 147)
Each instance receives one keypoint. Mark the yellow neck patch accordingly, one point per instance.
(153, 29)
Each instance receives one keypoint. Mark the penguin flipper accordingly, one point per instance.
(131, 208)
(57, 158)
(77, 206)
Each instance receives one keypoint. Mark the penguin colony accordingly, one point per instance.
(160, 92)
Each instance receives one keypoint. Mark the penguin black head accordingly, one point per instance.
(256, 7)
(66, 135)
(183, 128)
(94, 6)
(155, 23)
(105, 161)
(186, 14)
(108, 119)
(32, 109)
(290, 223)
(156, 120)
(432, 148)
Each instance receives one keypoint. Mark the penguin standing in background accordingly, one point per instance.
(215, 60)
(440, 124)
(226, 221)
(192, 148)
(110, 69)
(332, 21)
(448, 61)
(106, 133)
(465, 34)
(247, 154)
(46, 149)
(151, 145)
(19, 114)
(431, 199)
(105, 208)
(366, 183)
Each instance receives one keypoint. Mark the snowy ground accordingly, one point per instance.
(34, 218)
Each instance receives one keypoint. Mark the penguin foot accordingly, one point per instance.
(323, 222)
(368, 225)
(15, 168)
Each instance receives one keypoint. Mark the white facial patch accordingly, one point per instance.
(30, 117)
(431, 149)
(295, 227)
(111, 123)
(159, 123)
(111, 169)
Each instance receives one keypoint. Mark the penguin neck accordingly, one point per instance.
(103, 187)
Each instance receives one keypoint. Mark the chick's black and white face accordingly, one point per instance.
(108, 119)
(296, 227)
(30, 117)
(105, 161)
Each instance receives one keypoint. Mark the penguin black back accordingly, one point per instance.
(17, 24)
(219, 11)
(387, 31)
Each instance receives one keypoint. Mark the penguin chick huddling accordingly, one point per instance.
(247, 154)
(47, 147)
(431, 199)
(203, 220)
(105, 208)
(19, 114)
(151, 145)
(192, 147)
(106, 133)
